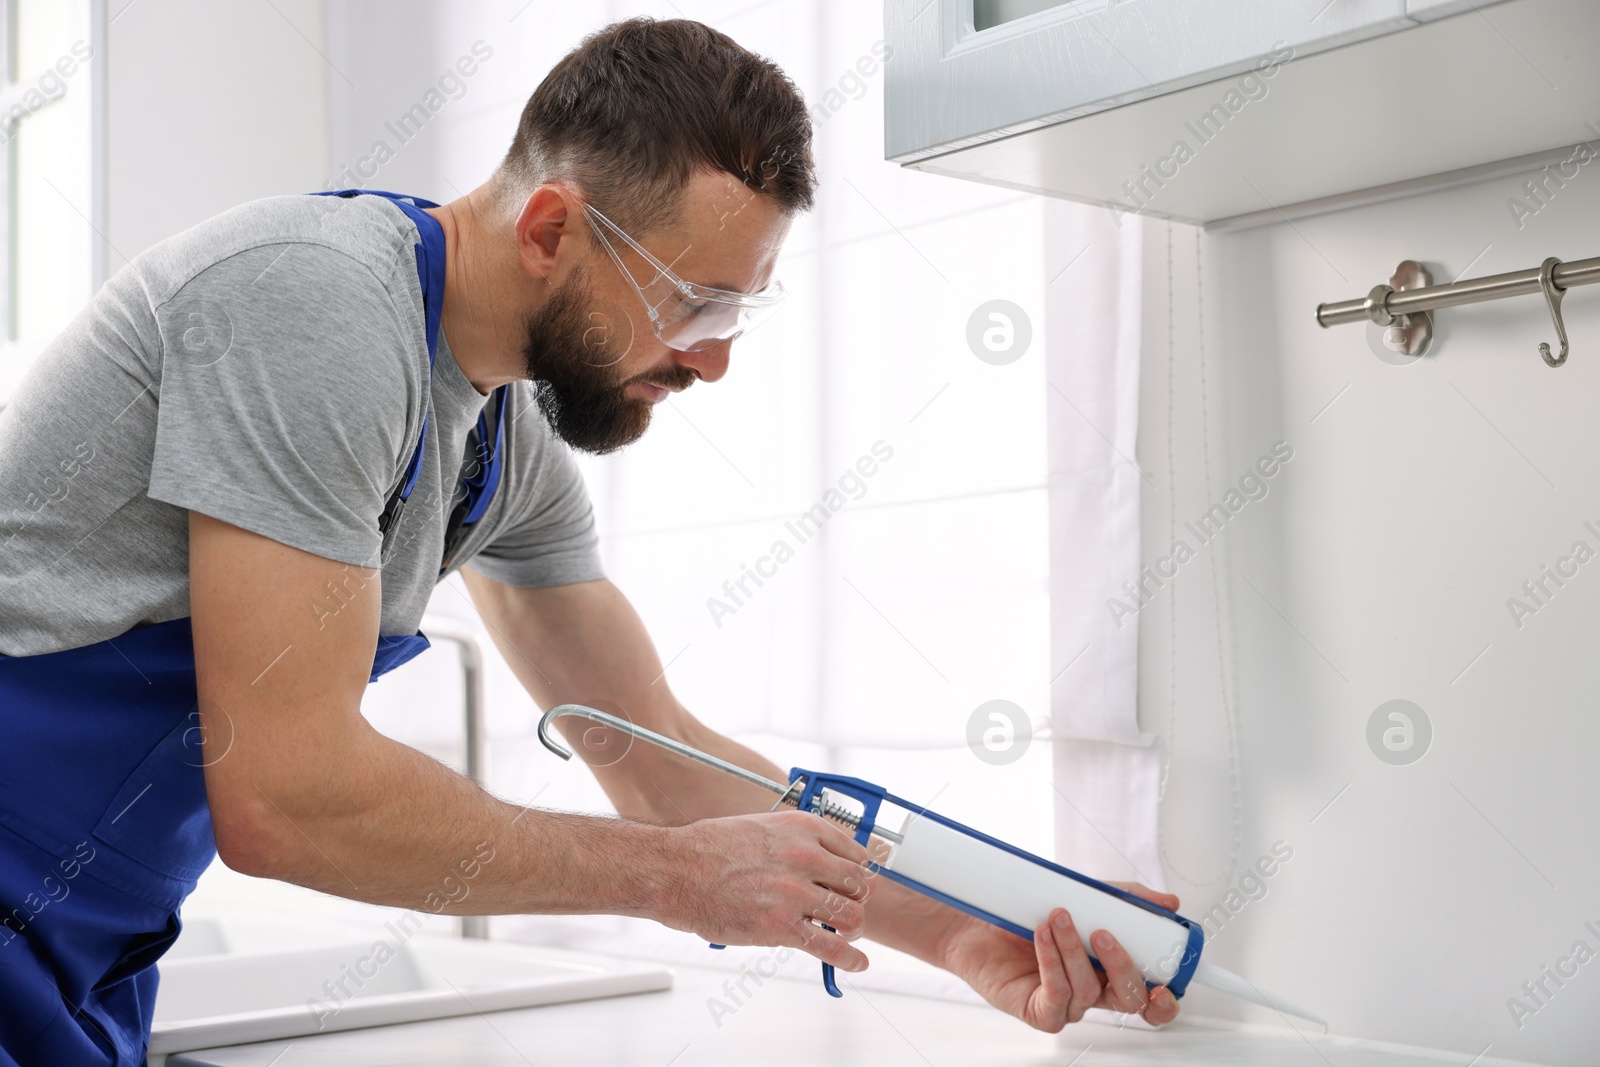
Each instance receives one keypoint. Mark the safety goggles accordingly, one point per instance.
(686, 316)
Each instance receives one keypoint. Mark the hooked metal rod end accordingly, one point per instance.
(550, 716)
(659, 740)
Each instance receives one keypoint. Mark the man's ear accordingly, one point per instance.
(549, 219)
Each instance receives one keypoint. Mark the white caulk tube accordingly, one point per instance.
(1022, 890)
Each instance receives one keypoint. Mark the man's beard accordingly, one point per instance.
(573, 361)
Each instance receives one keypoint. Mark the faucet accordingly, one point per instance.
(470, 651)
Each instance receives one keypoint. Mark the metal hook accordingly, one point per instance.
(1552, 298)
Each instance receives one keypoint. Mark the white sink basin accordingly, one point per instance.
(247, 932)
(219, 989)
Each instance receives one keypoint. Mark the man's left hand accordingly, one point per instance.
(1051, 982)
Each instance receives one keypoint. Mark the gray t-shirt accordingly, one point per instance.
(269, 368)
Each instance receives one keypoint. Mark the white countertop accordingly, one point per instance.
(789, 1022)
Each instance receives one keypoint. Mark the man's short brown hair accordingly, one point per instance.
(640, 105)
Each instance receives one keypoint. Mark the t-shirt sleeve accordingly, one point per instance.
(553, 541)
(284, 398)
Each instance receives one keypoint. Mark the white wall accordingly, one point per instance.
(210, 104)
(1379, 568)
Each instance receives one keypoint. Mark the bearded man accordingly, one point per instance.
(229, 486)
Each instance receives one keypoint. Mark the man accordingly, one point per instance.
(228, 487)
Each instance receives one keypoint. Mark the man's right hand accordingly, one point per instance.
(769, 879)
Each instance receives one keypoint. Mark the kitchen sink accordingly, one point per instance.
(230, 981)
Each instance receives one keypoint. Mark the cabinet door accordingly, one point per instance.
(950, 85)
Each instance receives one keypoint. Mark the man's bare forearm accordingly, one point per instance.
(398, 828)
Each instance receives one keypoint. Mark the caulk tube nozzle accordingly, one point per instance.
(1208, 973)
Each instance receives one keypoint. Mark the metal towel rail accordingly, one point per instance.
(1392, 306)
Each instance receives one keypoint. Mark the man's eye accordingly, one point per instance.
(686, 306)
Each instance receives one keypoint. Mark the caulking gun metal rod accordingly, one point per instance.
(1472, 291)
(605, 719)
(678, 747)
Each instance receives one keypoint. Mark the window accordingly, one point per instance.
(52, 204)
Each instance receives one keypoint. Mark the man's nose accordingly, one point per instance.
(709, 363)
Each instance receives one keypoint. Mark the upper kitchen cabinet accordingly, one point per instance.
(1209, 110)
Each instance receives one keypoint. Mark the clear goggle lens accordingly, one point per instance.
(690, 318)
(686, 316)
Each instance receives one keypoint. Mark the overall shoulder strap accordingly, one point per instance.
(430, 273)
(479, 487)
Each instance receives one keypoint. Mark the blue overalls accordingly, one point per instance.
(104, 824)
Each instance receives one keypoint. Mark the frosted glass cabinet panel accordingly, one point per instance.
(951, 84)
(1209, 110)
(986, 14)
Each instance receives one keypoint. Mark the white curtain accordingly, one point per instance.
(1106, 770)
